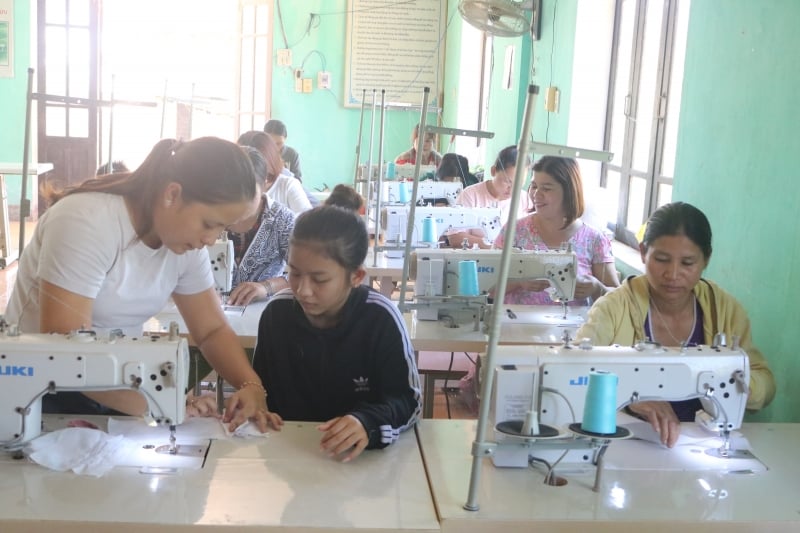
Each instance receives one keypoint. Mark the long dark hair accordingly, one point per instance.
(679, 218)
(338, 233)
(209, 170)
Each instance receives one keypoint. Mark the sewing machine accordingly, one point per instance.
(35, 364)
(394, 221)
(428, 192)
(435, 272)
(539, 395)
(221, 255)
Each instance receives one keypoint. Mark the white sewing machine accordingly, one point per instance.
(221, 255)
(394, 221)
(548, 385)
(436, 272)
(428, 191)
(35, 364)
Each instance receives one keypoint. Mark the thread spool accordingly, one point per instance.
(600, 410)
(429, 230)
(402, 191)
(468, 278)
(390, 170)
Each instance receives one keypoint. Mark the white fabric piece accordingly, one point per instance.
(245, 430)
(83, 450)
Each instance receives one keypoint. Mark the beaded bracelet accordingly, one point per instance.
(254, 384)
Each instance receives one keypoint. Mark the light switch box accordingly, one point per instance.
(307, 85)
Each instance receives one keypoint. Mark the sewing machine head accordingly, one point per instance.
(32, 365)
(394, 221)
(552, 381)
(429, 192)
(436, 269)
(221, 255)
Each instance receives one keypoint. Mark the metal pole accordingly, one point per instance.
(379, 191)
(163, 108)
(369, 161)
(111, 128)
(412, 211)
(24, 203)
(479, 447)
(358, 141)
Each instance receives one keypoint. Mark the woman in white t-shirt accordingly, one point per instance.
(110, 253)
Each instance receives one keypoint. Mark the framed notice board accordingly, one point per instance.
(397, 46)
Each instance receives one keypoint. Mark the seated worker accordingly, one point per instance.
(429, 155)
(493, 193)
(332, 350)
(291, 159)
(556, 192)
(671, 304)
(110, 252)
(346, 197)
(281, 187)
(455, 167)
(260, 243)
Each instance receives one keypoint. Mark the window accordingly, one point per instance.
(255, 64)
(643, 107)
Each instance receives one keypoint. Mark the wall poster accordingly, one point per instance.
(6, 38)
(397, 46)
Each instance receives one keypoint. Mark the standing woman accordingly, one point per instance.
(260, 243)
(671, 304)
(332, 350)
(556, 193)
(110, 253)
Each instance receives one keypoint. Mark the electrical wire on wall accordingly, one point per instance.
(550, 82)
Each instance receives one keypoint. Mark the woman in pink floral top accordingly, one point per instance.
(557, 195)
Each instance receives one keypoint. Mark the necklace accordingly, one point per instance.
(664, 322)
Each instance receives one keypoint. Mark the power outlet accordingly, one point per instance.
(324, 79)
(551, 100)
(284, 57)
(308, 85)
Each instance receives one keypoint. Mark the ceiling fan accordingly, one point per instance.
(503, 18)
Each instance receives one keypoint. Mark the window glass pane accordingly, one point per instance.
(262, 19)
(622, 80)
(79, 11)
(78, 122)
(647, 89)
(664, 194)
(55, 61)
(248, 19)
(79, 56)
(636, 203)
(56, 121)
(56, 12)
(246, 79)
(608, 200)
(259, 68)
(675, 86)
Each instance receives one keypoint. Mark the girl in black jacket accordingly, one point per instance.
(333, 350)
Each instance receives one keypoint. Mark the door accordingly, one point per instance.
(67, 81)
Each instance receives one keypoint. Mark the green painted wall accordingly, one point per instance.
(737, 161)
(13, 94)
